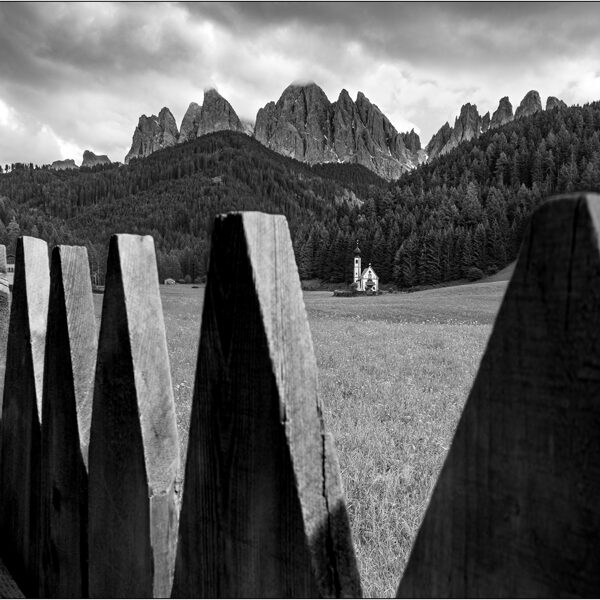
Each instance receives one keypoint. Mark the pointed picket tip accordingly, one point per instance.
(515, 509)
(71, 346)
(20, 428)
(263, 513)
(134, 453)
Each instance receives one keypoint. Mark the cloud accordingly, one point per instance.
(77, 76)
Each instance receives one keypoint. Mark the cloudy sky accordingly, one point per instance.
(76, 76)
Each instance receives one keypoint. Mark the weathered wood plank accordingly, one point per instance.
(516, 509)
(133, 454)
(263, 513)
(4, 318)
(20, 429)
(71, 346)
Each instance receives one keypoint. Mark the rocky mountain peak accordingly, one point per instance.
(503, 114)
(530, 104)
(61, 165)
(468, 125)
(153, 133)
(375, 121)
(189, 123)
(304, 124)
(554, 102)
(168, 126)
(485, 122)
(411, 141)
(298, 124)
(344, 99)
(91, 160)
(438, 141)
(217, 114)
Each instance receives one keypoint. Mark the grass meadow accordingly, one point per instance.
(394, 373)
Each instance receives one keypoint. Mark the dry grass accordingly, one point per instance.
(394, 371)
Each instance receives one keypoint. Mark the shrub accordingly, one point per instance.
(473, 274)
(311, 285)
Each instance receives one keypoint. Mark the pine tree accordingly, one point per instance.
(478, 248)
(471, 211)
(405, 263)
(429, 260)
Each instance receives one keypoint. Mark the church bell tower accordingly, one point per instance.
(357, 269)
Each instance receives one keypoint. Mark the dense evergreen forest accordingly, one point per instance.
(462, 215)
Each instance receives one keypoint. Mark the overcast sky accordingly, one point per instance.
(77, 76)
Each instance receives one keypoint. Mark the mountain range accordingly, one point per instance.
(469, 124)
(303, 124)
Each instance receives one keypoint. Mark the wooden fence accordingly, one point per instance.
(89, 449)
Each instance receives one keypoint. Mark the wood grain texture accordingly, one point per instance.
(263, 512)
(71, 346)
(20, 429)
(133, 454)
(516, 509)
(4, 318)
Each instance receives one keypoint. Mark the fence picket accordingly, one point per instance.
(71, 347)
(4, 318)
(20, 429)
(515, 510)
(263, 514)
(133, 454)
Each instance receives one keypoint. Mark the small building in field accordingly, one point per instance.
(366, 280)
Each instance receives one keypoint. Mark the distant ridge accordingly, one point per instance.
(469, 124)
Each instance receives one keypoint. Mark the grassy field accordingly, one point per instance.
(394, 373)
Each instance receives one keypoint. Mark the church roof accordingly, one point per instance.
(372, 269)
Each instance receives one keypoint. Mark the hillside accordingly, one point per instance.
(174, 195)
(467, 209)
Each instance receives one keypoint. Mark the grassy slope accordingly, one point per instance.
(395, 371)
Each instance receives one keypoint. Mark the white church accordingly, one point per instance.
(367, 280)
